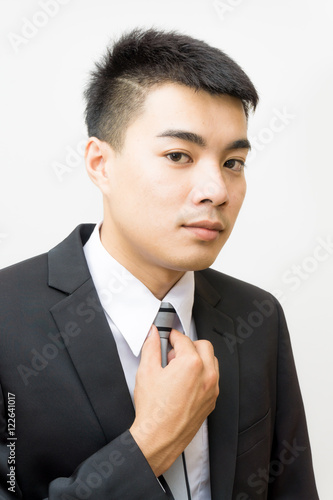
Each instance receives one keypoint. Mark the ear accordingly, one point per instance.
(98, 155)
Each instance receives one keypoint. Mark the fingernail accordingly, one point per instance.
(150, 331)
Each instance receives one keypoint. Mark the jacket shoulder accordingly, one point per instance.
(21, 282)
(22, 273)
(239, 297)
(42, 271)
(226, 284)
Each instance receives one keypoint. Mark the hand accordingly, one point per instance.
(171, 403)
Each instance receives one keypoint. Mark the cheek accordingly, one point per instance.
(237, 198)
(148, 203)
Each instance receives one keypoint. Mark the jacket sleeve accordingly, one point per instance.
(118, 470)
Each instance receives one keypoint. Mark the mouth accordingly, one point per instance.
(205, 230)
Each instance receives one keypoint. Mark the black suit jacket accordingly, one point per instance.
(72, 405)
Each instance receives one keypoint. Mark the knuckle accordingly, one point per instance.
(213, 405)
(196, 362)
(211, 378)
(206, 344)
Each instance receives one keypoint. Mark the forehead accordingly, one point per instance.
(174, 106)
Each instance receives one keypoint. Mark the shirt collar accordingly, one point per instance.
(127, 301)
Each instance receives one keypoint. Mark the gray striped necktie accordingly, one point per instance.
(164, 322)
(176, 475)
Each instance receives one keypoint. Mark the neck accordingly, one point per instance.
(157, 279)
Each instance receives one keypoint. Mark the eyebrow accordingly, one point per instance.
(185, 136)
(200, 141)
(239, 144)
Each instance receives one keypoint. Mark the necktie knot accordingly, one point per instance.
(164, 319)
(164, 322)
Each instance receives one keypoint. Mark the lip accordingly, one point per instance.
(206, 224)
(205, 230)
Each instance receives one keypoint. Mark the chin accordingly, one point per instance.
(202, 259)
(196, 263)
(199, 266)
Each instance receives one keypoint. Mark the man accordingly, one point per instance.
(87, 409)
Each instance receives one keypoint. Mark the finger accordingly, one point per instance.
(171, 355)
(205, 349)
(151, 349)
(206, 352)
(217, 368)
(180, 342)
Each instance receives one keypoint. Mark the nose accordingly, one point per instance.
(210, 187)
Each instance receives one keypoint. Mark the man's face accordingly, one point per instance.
(174, 191)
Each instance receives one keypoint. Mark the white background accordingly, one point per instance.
(286, 48)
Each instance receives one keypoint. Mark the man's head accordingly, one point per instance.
(142, 60)
(169, 153)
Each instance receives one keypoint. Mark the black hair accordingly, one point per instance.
(142, 59)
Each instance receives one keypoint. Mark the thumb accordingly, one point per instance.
(180, 342)
(151, 349)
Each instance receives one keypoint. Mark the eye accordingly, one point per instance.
(180, 158)
(235, 165)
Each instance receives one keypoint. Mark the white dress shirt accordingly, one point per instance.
(130, 309)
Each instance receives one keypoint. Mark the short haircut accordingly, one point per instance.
(142, 59)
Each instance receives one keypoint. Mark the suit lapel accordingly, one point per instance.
(212, 324)
(87, 336)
